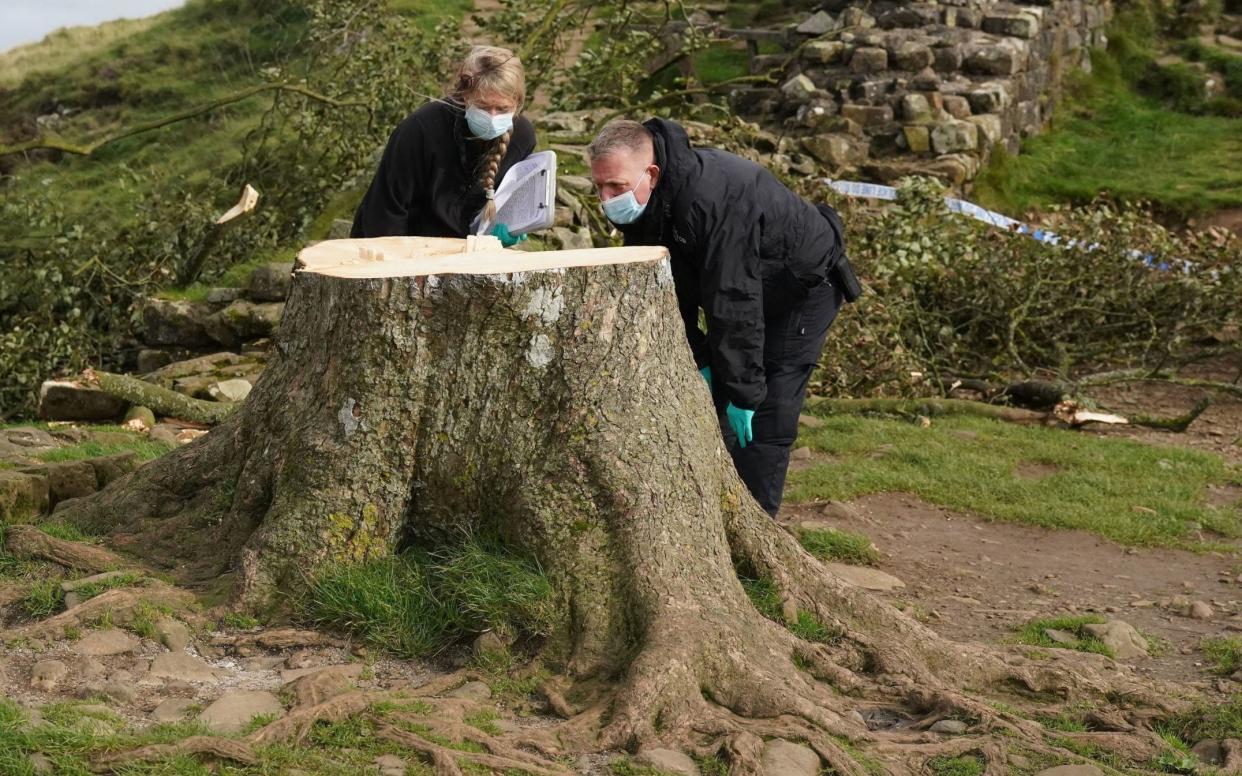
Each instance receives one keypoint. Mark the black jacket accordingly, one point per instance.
(744, 248)
(427, 184)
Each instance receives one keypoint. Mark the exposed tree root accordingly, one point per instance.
(28, 542)
(279, 638)
(118, 604)
(207, 748)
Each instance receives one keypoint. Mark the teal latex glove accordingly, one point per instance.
(740, 420)
(506, 239)
(707, 375)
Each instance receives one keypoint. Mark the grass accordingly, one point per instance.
(1209, 720)
(95, 588)
(419, 603)
(1034, 633)
(238, 621)
(1110, 136)
(969, 463)
(43, 599)
(145, 449)
(764, 596)
(1224, 652)
(965, 765)
(842, 546)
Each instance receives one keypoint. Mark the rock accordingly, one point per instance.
(800, 454)
(817, 24)
(855, 18)
(172, 710)
(139, 418)
(989, 125)
(113, 467)
(1061, 636)
(270, 282)
(867, 59)
(947, 59)
(667, 761)
(348, 670)
(181, 665)
(45, 674)
(579, 184)
(953, 727)
(956, 106)
(915, 107)
(799, 88)
(108, 641)
(994, 59)
(1120, 637)
(119, 691)
(69, 400)
(489, 643)
(867, 115)
(474, 691)
(568, 238)
(73, 584)
(782, 758)
(172, 633)
(563, 121)
(390, 765)
(953, 136)
(911, 56)
(175, 322)
(1209, 751)
(320, 685)
(230, 390)
(810, 421)
(66, 480)
(918, 138)
(22, 495)
(992, 97)
(866, 578)
(823, 51)
(340, 229)
(243, 320)
(164, 433)
(838, 150)
(1200, 610)
(1071, 770)
(150, 359)
(40, 763)
(1019, 25)
(224, 295)
(232, 712)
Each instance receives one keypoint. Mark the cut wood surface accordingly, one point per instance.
(381, 257)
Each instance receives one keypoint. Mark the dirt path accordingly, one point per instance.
(979, 580)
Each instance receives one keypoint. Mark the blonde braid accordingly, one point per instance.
(490, 168)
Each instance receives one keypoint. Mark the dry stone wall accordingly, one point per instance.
(884, 89)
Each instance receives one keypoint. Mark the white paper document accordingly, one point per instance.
(526, 197)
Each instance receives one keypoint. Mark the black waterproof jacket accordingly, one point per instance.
(427, 184)
(744, 248)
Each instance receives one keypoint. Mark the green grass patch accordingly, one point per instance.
(843, 546)
(238, 621)
(1035, 634)
(145, 450)
(485, 720)
(969, 464)
(66, 531)
(1208, 720)
(764, 596)
(419, 603)
(43, 599)
(1224, 652)
(965, 765)
(1124, 130)
(1064, 722)
(95, 588)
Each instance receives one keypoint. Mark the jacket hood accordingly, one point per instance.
(679, 166)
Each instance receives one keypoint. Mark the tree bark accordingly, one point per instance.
(556, 403)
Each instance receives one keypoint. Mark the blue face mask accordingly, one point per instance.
(486, 126)
(623, 208)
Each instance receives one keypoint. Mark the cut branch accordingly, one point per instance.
(158, 399)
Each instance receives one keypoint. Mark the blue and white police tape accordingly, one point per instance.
(991, 217)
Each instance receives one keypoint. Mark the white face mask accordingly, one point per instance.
(486, 126)
(625, 207)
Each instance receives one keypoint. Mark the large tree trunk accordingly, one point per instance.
(556, 403)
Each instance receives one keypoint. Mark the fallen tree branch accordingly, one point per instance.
(158, 399)
(89, 149)
(928, 407)
(28, 542)
(203, 747)
(1140, 375)
(1179, 423)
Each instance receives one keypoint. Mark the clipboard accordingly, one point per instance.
(526, 196)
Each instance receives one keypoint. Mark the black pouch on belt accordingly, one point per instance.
(850, 287)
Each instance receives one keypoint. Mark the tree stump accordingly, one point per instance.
(419, 387)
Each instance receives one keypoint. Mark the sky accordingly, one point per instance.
(26, 21)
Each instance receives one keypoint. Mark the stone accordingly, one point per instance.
(817, 115)
(390, 765)
(22, 495)
(667, 761)
(563, 121)
(810, 421)
(184, 666)
(243, 320)
(911, 56)
(867, 59)
(224, 295)
(947, 59)
(568, 239)
(69, 400)
(489, 643)
(866, 578)
(823, 51)
(990, 97)
(1200, 610)
(473, 691)
(1209, 751)
(915, 107)
(918, 138)
(956, 106)
(989, 125)
(867, 115)
(1061, 636)
(45, 674)
(73, 584)
(579, 184)
(41, 763)
(951, 136)
(232, 712)
(175, 322)
(107, 641)
(783, 758)
(113, 467)
(172, 710)
(270, 282)
(1019, 25)
(340, 229)
(230, 390)
(347, 670)
(800, 454)
(953, 727)
(172, 633)
(119, 691)
(150, 359)
(66, 480)
(1071, 770)
(799, 88)
(164, 433)
(817, 24)
(854, 18)
(1120, 637)
(838, 150)
(993, 59)
(910, 15)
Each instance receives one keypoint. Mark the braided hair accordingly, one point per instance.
(497, 71)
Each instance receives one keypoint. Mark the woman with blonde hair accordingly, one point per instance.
(440, 169)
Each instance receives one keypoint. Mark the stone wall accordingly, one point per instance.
(883, 89)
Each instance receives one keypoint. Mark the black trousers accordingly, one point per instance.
(792, 344)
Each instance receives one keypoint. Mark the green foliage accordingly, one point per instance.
(766, 598)
(95, 588)
(964, 765)
(1034, 633)
(843, 546)
(145, 450)
(1207, 720)
(43, 599)
(66, 531)
(238, 621)
(1224, 652)
(969, 463)
(419, 603)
